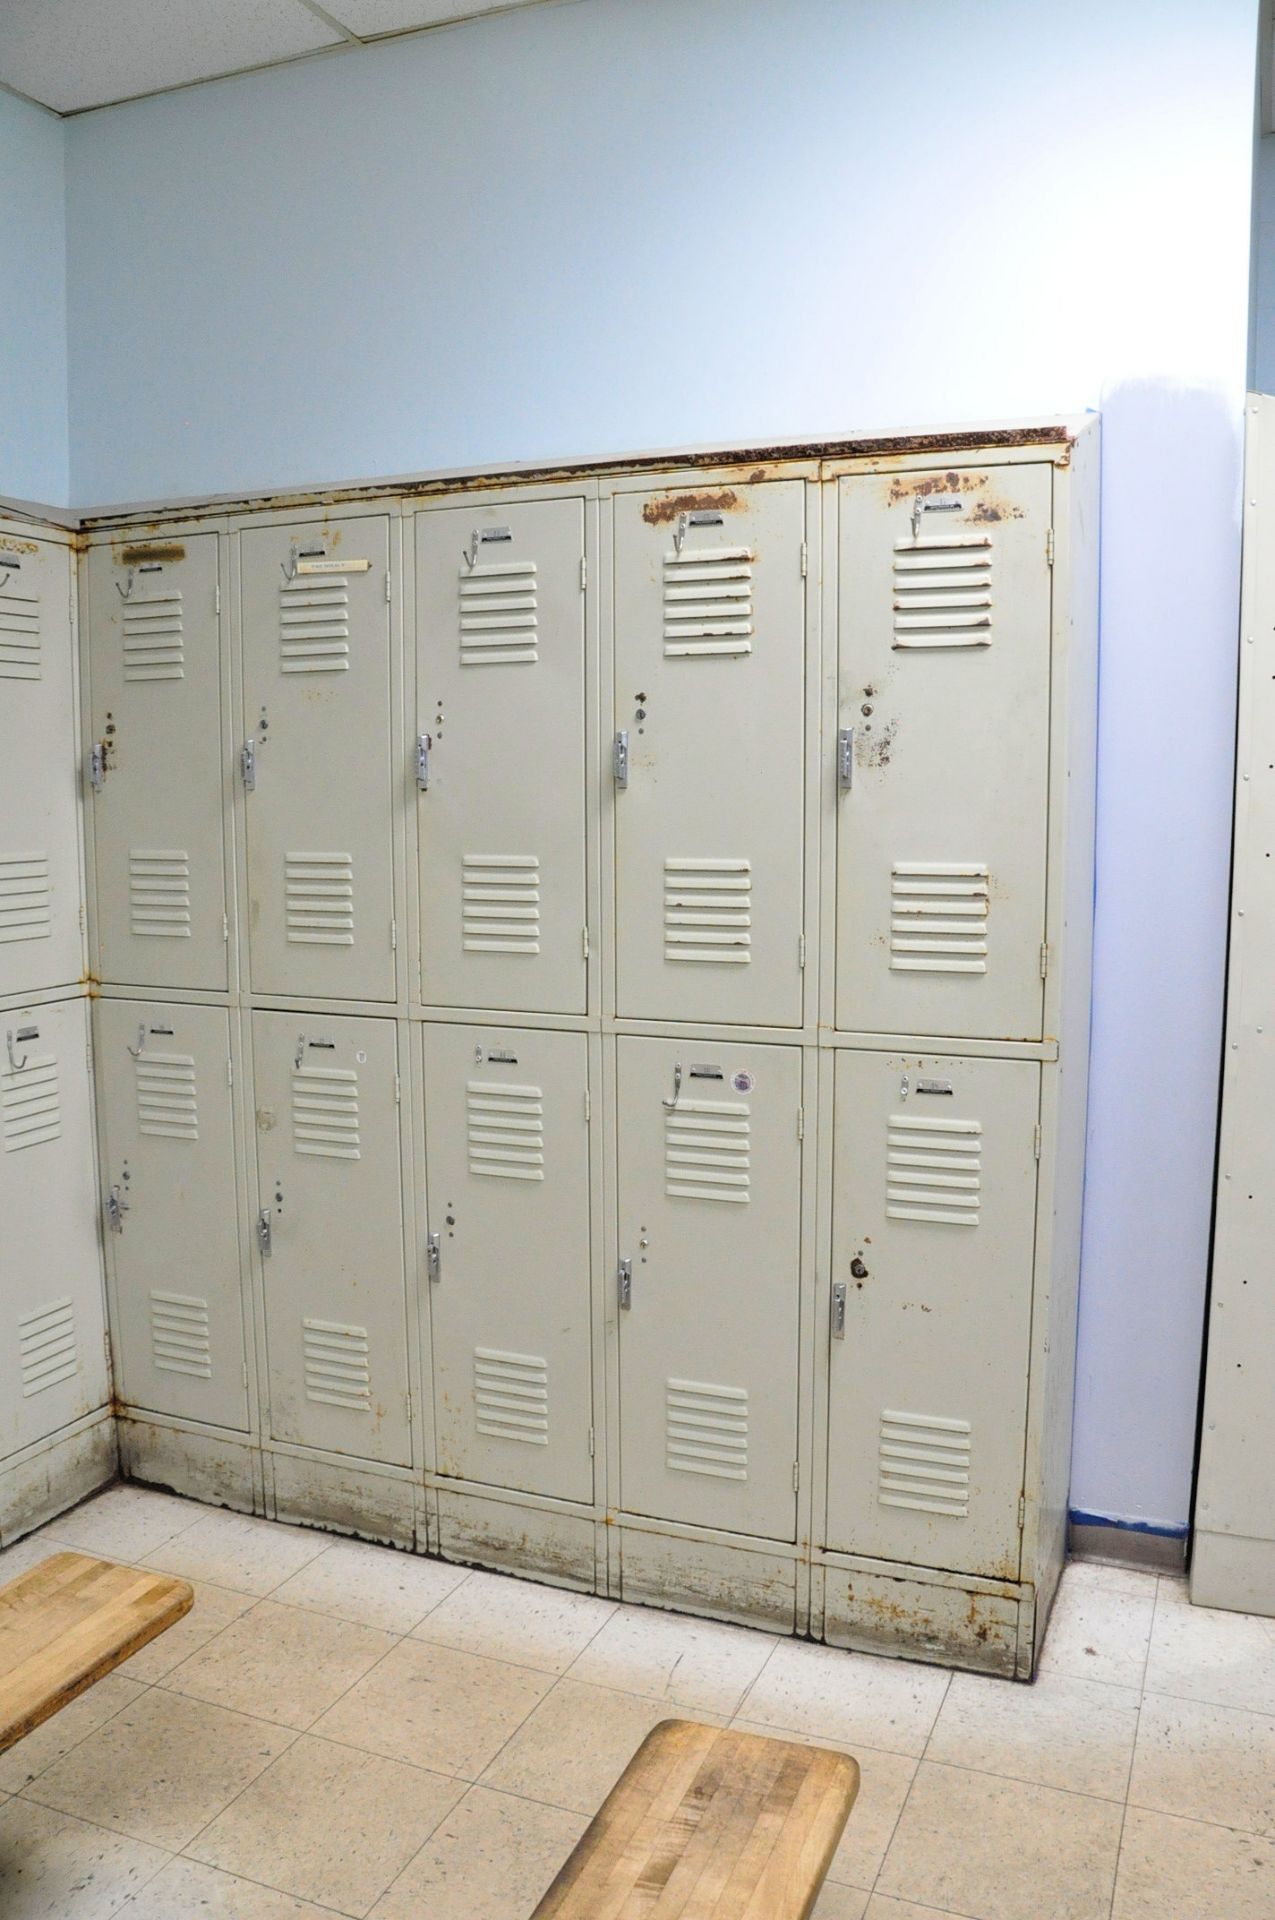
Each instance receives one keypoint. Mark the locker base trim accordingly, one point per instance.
(55, 1473)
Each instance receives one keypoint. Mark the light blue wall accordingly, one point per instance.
(626, 223)
(33, 385)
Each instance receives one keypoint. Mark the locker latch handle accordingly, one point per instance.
(265, 1235)
(620, 759)
(97, 766)
(248, 765)
(839, 1310)
(116, 1208)
(624, 1284)
(932, 503)
(845, 759)
(424, 741)
(434, 1257)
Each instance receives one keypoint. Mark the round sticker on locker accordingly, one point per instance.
(743, 1082)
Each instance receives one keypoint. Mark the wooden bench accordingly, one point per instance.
(66, 1623)
(706, 1824)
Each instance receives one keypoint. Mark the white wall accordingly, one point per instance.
(33, 376)
(611, 225)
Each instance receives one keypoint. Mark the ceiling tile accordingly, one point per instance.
(366, 17)
(72, 54)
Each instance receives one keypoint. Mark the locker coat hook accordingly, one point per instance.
(126, 590)
(677, 1087)
(16, 1065)
(141, 1042)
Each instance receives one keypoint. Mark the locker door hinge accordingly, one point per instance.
(801, 953)
(393, 936)
(434, 1257)
(584, 572)
(801, 1123)
(264, 1238)
(387, 586)
(1049, 546)
(620, 757)
(225, 929)
(244, 1371)
(588, 1106)
(796, 1475)
(584, 941)
(424, 742)
(845, 759)
(1044, 959)
(398, 1091)
(592, 1443)
(624, 1284)
(248, 765)
(1022, 1511)
(838, 1309)
(230, 1073)
(1036, 1139)
(407, 1407)
(217, 599)
(805, 559)
(110, 1357)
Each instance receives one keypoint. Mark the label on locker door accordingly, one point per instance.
(709, 811)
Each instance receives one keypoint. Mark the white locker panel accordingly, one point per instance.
(316, 668)
(330, 1233)
(934, 1204)
(52, 1330)
(709, 1187)
(944, 681)
(500, 638)
(507, 1169)
(40, 941)
(710, 752)
(163, 1076)
(156, 762)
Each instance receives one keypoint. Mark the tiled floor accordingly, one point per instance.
(339, 1728)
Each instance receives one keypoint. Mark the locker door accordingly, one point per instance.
(709, 678)
(944, 679)
(155, 700)
(328, 1160)
(507, 1161)
(934, 1207)
(40, 944)
(52, 1333)
(164, 1081)
(709, 1193)
(500, 633)
(316, 641)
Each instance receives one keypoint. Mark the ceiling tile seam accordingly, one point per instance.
(330, 20)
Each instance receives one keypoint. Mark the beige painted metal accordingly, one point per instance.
(41, 943)
(52, 1321)
(708, 1182)
(154, 701)
(316, 758)
(708, 721)
(330, 1232)
(934, 1206)
(173, 1208)
(507, 1176)
(500, 594)
(944, 653)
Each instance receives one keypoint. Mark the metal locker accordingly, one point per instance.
(316, 760)
(500, 755)
(330, 1233)
(709, 1183)
(709, 753)
(934, 1207)
(507, 1165)
(943, 751)
(172, 1209)
(52, 1331)
(155, 762)
(40, 940)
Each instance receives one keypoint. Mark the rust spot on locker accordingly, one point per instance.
(660, 512)
(152, 552)
(987, 510)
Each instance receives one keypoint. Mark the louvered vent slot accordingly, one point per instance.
(924, 1463)
(159, 893)
(938, 918)
(320, 899)
(943, 591)
(314, 624)
(506, 1130)
(934, 1170)
(180, 1340)
(166, 1101)
(153, 645)
(708, 911)
(47, 1350)
(706, 1429)
(31, 1102)
(325, 1112)
(498, 617)
(511, 1396)
(501, 902)
(336, 1365)
(706, 1150)
(24, 897)
(708, 601)
(20, 636)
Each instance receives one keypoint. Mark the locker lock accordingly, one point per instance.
(858, 1269)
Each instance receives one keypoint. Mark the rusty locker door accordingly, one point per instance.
(709, 753)
(943, 752)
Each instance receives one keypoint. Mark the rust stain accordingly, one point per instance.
(138, 556)
(659, 513)
(9, 545)
(872, 748)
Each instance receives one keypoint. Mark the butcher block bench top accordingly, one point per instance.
(706, 1824)
(66, 1623)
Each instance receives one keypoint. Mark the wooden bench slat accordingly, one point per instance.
(67, 1622)
(708, 1824)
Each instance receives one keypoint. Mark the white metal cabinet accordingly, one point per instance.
(944, 639)
(40, 938)
(316, 668)
(709, 747)
(330, 1232)
(501, 676)
(934, 1207)
(709, 1187)
(172, 1208)
(52, 1332)
(507, 1166)
(155, 762)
